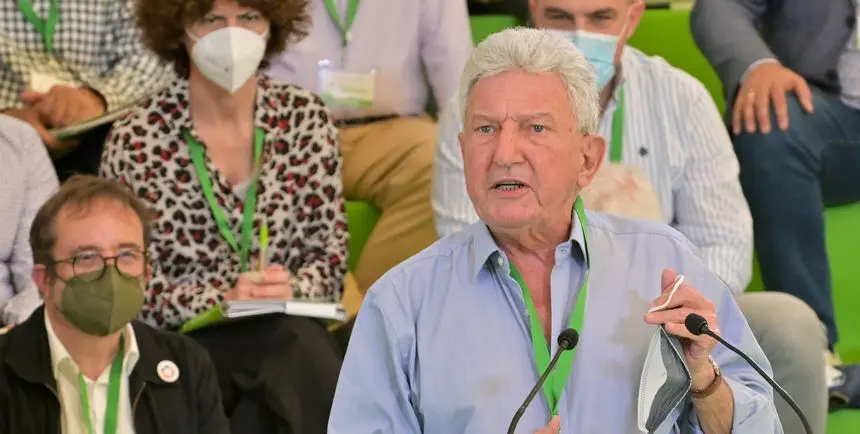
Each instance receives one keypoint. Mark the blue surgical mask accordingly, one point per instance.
(598, 49)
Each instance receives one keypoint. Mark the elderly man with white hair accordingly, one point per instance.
(452, 339)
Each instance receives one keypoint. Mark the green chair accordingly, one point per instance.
(485, 25)
(361, 219)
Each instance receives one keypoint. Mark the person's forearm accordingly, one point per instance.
(716, 411)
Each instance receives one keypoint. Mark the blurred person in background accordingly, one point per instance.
(791, 75)
(372, 61)
(63, 63)
(219, 155)
(26, 181)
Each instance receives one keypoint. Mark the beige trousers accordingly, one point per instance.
(390, 164)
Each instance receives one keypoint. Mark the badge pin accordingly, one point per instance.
(167, 371)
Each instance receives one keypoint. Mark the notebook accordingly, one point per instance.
(77, 129)
(245, 308)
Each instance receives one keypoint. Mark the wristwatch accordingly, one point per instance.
(715, 384)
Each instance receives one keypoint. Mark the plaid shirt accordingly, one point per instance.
(96, 44)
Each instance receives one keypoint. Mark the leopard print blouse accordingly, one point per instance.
(300, 197)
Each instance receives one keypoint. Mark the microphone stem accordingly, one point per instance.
(520, 411)
(764, 375)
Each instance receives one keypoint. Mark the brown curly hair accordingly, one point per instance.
(163, 23)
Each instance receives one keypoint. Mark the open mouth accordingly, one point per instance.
(509, 186)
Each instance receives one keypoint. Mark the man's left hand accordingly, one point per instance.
(64, 105)
(687, 300)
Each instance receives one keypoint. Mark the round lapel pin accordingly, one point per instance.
(167, 371)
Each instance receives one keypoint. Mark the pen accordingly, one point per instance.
(264, 246)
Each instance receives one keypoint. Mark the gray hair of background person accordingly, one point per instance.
(536, 51)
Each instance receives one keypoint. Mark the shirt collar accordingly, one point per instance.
(484, 247)
(62, 363)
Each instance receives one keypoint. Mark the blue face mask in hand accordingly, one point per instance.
(599, 49)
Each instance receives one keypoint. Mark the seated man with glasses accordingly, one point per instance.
(80, 363)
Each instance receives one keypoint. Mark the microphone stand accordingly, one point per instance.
(699, 326)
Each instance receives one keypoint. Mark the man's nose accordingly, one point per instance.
(507, 150)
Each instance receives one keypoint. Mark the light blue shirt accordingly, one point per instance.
(442, 343)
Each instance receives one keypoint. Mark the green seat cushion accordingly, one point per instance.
(485, 25)
(361, 219)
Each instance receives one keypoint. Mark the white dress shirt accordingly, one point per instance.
(674, 134)
(66, 373)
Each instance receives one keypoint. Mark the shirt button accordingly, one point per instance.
(849, 20)
(500, 261)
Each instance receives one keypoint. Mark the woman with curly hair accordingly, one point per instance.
(220, 156)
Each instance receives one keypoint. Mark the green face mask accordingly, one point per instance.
(102, 306)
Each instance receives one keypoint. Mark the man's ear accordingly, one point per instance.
(637, 8)
(593, 152)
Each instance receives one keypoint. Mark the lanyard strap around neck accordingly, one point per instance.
(557, 379)
(221, 220)
(617, 143)
(114, 383)
(344, 24)
(45, 27)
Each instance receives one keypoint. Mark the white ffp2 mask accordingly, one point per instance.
(230, 56)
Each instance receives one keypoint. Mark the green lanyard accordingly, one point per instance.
(617, 143)
(557, 379)
(343, 25)
(46, 27)
(114, 383)
(250, 201)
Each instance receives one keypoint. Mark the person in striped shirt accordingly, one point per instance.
(662, 121)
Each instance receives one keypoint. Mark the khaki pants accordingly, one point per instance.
(390, 164)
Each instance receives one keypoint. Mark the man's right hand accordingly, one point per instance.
(552, 428)
(767, 83)
(32, 117)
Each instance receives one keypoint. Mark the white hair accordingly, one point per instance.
(536, 51)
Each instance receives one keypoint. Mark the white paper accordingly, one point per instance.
(43, 83)
(245, 308)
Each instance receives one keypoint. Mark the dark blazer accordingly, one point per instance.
(192, 404)
(807, 36)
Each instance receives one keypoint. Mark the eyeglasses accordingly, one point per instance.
(90, 267)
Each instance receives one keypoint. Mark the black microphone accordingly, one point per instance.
(567, 340)
(697, 325)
